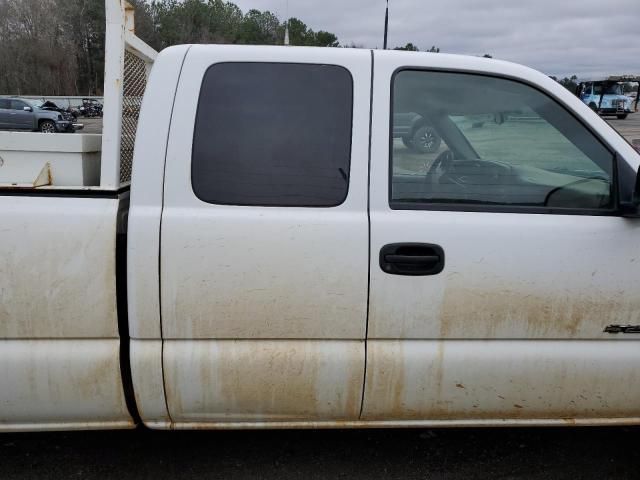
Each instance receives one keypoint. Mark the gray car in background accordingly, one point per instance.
(23, 114)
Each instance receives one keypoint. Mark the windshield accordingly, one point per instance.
(610, 89)
(34, 103)
(524, 138)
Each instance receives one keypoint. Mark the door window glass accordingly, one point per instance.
(500, 142)
(273, 134)
(18, 105)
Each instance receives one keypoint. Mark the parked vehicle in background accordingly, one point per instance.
(415, 132)
(68, 113)
(90, 108)
(23, 114)
(607, 97)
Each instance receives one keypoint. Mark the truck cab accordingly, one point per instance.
(607, 96)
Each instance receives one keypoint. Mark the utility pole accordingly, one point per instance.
(286, 27)
(386, 25)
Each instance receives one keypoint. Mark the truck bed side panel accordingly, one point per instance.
(57, 267)
(61, 385)
(59, 337)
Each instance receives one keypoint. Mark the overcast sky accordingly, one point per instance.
(558, 37)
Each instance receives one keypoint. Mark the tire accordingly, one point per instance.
(407, 142)
(622, 116)
(425, 140)
(593, 107)
(47, 126)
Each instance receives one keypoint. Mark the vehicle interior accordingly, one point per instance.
(504, 143)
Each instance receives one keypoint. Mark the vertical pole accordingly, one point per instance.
(286, 25)
(113, 78)
(386, 25)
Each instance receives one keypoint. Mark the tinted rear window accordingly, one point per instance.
(273, 134)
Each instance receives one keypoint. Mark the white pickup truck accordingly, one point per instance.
(279, 260)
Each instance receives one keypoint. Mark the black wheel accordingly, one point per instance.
(425, 140)
(47, 126)
(593, 106)
(407, 142)
(622, 116)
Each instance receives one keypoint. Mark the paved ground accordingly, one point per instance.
(628, 128)
(91, 125)
(564, 453)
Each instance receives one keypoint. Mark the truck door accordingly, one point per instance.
(497, 262)
(264, 237)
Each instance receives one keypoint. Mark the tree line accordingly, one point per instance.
(570, 83)
(56, 47)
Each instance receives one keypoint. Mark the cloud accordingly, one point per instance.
(585, 37)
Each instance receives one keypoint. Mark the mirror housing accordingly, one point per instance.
(629, 208)
(27, 109)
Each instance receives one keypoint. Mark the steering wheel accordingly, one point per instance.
(440, 165)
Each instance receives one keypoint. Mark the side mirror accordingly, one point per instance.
(27, 109)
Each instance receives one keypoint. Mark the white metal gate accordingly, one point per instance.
(128, 61)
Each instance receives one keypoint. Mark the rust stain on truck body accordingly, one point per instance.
(502, 379)
(469, 312)
(57, 279)
(263, 380)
